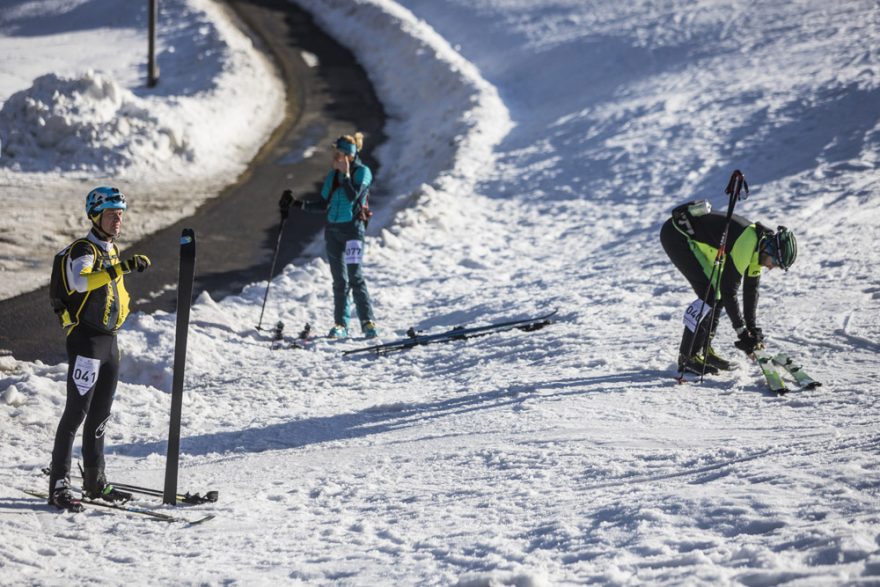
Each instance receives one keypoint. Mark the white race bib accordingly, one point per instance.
(695, 313)
(354, 252)
(85, 373)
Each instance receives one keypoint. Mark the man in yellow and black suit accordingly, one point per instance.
(89, 297)
(691, 239)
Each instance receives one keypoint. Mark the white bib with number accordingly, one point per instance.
(695, 314)
(354, 252)
(85, 373)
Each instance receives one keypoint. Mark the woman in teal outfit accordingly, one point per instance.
(344, 199)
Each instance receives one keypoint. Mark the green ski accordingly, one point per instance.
(771, 374)
(803, 380)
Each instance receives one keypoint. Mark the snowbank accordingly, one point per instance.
(85, 118)
(444, 144)
(86, 124)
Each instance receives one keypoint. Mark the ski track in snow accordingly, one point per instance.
(564, 135)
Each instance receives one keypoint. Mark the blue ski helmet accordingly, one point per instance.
(104, 198)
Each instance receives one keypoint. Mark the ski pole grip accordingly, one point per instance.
(285, 202)
(736, 184)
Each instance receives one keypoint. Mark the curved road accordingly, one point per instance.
(237, 231)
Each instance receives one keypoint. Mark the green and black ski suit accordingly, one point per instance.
(693, 247)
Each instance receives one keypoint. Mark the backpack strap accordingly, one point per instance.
(100, 254)
(360, 207)
(59, 287)
(361, 201)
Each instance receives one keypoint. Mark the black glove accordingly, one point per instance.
(748, 342)
(136, 262)
(285, 202)
(757, 333)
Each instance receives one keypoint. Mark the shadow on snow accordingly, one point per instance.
(384, 418)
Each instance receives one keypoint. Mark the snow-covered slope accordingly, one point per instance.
(562, 457)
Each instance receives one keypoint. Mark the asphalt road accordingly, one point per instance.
(236, 232)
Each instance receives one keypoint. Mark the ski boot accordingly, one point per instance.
(62, 497)
(369, 329)
(696, 364)
(338, 331)
(95, 486)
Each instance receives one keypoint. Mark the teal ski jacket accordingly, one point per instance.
(341, 196)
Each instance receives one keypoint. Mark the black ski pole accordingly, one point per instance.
(734, 187)
(272, 269)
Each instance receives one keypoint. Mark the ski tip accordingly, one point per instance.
(201, 520)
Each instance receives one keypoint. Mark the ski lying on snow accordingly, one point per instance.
(771, 374)
(277, 333)
(794, 368)
(458, 333)
(769, 363)
(305, 340)
(129, 509)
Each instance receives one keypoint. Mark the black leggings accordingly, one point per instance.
(92, 373)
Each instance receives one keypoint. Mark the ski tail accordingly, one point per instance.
(773, 366)
(184, 305)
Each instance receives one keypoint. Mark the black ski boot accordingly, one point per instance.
(62, 498)
(695, 364)
(95, 486)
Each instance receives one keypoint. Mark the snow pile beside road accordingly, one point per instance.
(88, 123)
(75, 113)
(202, 122)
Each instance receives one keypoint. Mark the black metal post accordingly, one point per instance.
(152, 66)
(184, 301)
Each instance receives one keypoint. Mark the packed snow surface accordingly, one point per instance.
(534, 150)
